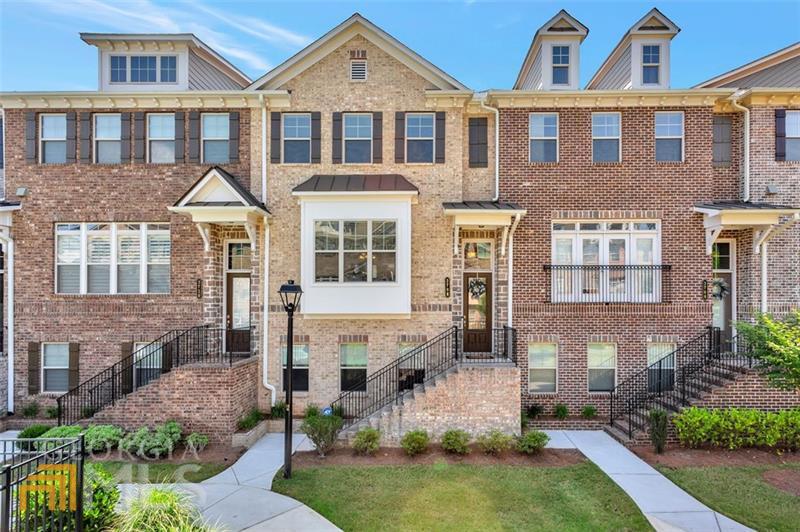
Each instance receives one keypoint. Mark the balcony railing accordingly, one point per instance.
(609, 284)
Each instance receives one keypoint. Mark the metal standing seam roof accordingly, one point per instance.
(356, 183)
(743, 205)
(482, 206)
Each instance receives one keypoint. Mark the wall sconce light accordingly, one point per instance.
(199, 289)
(446, 287)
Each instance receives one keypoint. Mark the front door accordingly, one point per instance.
(723, 289)
(237, 313)
(477, 312)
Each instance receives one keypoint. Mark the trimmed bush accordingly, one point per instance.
(250, 420)
(278, 410)
(367, 441)
(561, 411)
(495, 442)
(31, 409)
(322, 431)
(535, 410)
(101, 496)
(735, 428)
(455, 442)
(589, 412)
(158, 443)
(658, 429)
(63, 431)
(311, 410)
(161, 509)
(415, 442)
(532, 442)
(34, 431)
(100, 438)
(196, 441)
(51, 412)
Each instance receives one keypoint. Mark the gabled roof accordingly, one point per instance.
(204, 50)
(761, 64)
(653, 23)
(355, 25)
(218, 188)
(561, 24)
(345, 184)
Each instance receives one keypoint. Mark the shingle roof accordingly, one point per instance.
(231, 180)
(356, 183)
(742, 205)
(482, 206)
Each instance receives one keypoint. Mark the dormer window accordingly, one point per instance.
(169, 69)
(143, 68)
(560, 65)
(119, 69)
(358, 70)
(651, 64)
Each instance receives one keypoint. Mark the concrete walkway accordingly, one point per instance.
(239, 498)
(666, 506)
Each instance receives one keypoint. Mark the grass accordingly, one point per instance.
(464, 497)
(136, 473)
(741, 494)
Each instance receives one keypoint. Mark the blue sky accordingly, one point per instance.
(480, 43)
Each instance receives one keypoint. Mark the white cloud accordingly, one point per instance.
(258, 28)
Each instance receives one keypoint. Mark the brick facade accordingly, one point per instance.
(750, 390)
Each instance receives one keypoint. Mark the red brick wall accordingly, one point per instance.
(750, 390)
(637, 187)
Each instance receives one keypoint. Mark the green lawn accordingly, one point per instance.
(137, 473)
(741, 494)
(464, 497)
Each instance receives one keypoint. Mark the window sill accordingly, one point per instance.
(607, 163)
(543, 163)
(421, 164)
(293, 164)
(107, 296)
(669, 163)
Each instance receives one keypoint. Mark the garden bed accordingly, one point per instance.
(213, 454)
(676, 457)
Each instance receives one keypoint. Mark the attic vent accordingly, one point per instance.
(358, 70)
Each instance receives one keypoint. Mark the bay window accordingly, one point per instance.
(355, 251)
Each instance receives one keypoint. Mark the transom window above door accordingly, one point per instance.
(478, 256)
(239, 256)
(357, 251)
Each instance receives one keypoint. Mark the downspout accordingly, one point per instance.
(265, 276)
(764, 300)
(746, 117)
(10, 316)
(496, 149)
(510, 302)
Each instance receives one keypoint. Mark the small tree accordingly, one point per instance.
(776, 344)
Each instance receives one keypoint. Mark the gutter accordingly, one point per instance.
(734, 99)
(496, 147)
(265, 276)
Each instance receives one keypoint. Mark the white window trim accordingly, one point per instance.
(531, 391)
(793, 137)
(531, 137)
(342, 366)
(158, 57)
(96, 138)
(366, 70)
(114, 230)
(42, 368)
(345, 138)
(553, 66)
(681, 136)
(228, 256)
(658, 65)
(42, 138)
(431, 138)
(672, 349)
(341, 251)
(589, 368)
(619, 138)
(203, 138)
(284, 138)
(149, 138)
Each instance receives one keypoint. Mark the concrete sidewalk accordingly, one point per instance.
(239, 498)
(666, 506)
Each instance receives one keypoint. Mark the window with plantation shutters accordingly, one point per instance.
(98, 259)
(158, 257)
(68, 258)
(129, 258)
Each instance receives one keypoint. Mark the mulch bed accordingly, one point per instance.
(213, 454)
(680, 457)
(435, 455)
(787, 480)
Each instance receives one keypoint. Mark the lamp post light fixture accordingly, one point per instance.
(290, 297)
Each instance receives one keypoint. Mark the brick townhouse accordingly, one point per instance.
(148, 226)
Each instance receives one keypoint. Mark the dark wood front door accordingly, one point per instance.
(477, 312)
(237, 313)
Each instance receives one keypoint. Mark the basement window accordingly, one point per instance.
(358, 70)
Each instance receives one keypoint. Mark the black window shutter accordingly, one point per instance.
(399, 137)
(440, 125)
(194, 136)
(127, 367)
(275, 138)
(86, 138)
(72, 130)
(377, 137)
(233, 142)
(74, 357)
(780, 134)
(478, 142)
(34, 366)
(336, 150)
(180, 136)
(316, 137)
(30, 137)
(138, 137)
(125, 135)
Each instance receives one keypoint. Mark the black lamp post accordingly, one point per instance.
(290, 297)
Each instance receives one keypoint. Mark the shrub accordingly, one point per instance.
(311, 410)
(415, 442)
(322, 431)
(158, 443)
(367, 441)
(34, 431)
(278, 410)
(161, 509)
(523, 420)
(51, 412)
(196, 441)
(735, 428)
(455, 442)
(63, 431)
(172, 430)
(535, 410)
(776, 345)
(137, 442)
(658, 429)
(561, 411)
(101, 496)
(100, 438)
(589, 412)
(31, 409)
(532, 442)
(495, 442)
(250, 420)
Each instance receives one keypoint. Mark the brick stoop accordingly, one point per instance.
(471, 397)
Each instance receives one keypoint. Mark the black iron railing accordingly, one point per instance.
(389, 384)
(41, 484)
(675, 379)
(609, 284)
(200, 344)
